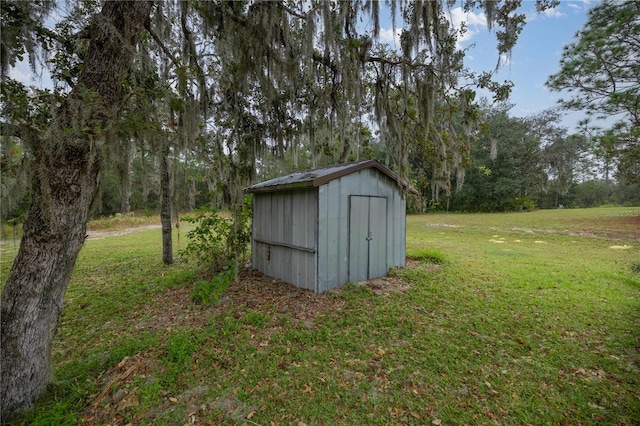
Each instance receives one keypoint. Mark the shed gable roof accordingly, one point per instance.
(316, 177)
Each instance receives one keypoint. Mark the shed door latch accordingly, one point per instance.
(369, 237)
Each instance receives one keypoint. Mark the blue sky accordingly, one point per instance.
(535, 57)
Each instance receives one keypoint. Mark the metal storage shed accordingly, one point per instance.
(325, 227)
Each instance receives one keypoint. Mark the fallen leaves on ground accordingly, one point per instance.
(172, 310)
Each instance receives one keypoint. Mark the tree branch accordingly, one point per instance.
(160, 44)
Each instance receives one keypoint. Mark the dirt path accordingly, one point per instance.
(101, 234)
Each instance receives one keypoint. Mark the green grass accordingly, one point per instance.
(529, 318)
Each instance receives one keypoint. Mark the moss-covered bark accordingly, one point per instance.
(66, 170)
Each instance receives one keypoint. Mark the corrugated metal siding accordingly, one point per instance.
(284, 236)
(379, 262)
(333, 234)
(333, 221)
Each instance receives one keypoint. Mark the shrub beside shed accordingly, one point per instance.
(322, 228)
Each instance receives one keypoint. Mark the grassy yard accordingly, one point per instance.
(528, 318)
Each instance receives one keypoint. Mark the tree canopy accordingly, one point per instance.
(260, 78)
(601, 73)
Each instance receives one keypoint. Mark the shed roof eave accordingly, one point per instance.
(406, 186)
(280, 187)
(309, 181)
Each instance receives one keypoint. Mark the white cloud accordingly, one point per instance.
(389, 36)
(457, 16)
(475, 22)
(579, 6)
(553, 13)
(22, 72)
(19, 73)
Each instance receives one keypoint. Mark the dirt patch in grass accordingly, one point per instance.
(385, 286)
(118, 394)
(174, 309)
(102, 234)
(608, 228)
(259, 292)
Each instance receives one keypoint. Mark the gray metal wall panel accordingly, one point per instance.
(368, 249)
(286, 218)
(290, 265)
(358, 244)
(323, 238)
(261, 213)
(303, 218)
(334, 222)
(277, 213)
(382, 246)
(333, 237)
(398, 226)
(333, 217)
(378, 247)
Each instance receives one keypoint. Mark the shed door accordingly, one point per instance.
(367, 238)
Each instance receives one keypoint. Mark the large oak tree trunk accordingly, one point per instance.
(65, 180)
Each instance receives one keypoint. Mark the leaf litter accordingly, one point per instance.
(118, 401)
